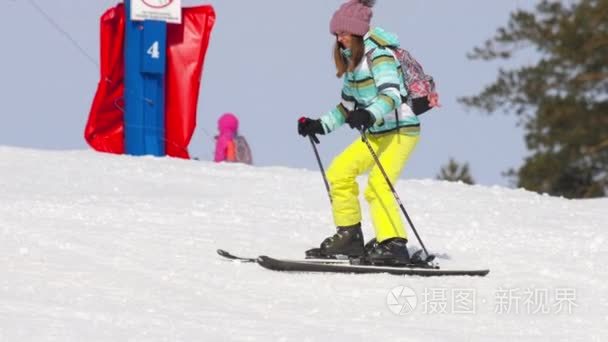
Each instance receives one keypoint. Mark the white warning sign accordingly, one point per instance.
(161, 10)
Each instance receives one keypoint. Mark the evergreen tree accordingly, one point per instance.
(562, 99)
(454, 172)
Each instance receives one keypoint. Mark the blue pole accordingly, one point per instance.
(145, 59)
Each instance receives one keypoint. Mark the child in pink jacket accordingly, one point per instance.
(230, 146)
(227, 125)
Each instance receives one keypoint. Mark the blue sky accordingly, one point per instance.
(269, 62)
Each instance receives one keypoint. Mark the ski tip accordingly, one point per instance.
(227, 255)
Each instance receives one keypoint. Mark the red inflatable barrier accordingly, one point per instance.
(186, 48)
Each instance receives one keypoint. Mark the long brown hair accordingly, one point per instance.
(342, 64)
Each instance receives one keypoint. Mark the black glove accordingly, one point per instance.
(310, 127)
(361, 119)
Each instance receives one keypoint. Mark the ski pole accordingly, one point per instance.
(314, 147)
(390, 185)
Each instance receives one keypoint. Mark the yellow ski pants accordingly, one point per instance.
(393, 151)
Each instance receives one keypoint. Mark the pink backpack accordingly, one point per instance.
(422, 95)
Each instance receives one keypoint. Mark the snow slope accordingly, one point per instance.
(97, 247)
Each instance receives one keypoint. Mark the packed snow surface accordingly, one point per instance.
(99, 247)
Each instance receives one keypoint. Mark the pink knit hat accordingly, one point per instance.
(352, 17)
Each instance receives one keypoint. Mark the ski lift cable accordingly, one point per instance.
(63, 32)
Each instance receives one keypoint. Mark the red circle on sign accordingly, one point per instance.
(157, 3)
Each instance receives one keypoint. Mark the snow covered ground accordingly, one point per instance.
(98, 247)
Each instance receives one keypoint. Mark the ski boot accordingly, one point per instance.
(391, 252)
(370, 245)
(347, 242)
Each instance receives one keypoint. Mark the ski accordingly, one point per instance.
(340, 260)
(346, 266)
(305, 266)
(233, 257)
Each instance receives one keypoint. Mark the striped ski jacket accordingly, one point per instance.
(378, 87)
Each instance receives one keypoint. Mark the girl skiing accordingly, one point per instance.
(372, 101)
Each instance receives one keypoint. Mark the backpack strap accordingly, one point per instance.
(368, 56)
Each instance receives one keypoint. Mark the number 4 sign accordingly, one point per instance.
(154, 51)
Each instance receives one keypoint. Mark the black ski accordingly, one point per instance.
(346, 266)
(233, 257)
(305, 266)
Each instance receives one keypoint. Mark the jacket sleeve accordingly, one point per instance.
(384, 69)
(221, 145)
(337, 116)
